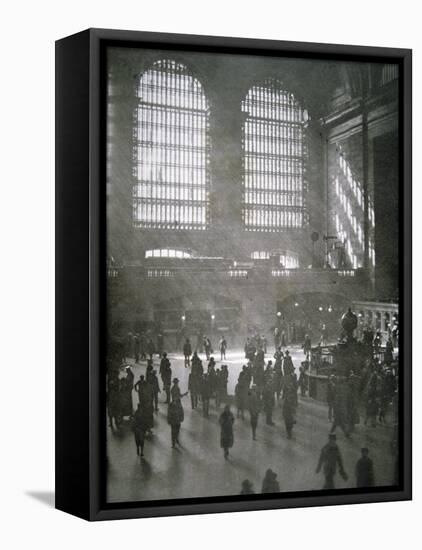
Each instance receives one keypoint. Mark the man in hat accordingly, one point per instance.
(329, 459)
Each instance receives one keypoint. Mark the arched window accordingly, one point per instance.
(274, 153)
(172, 150)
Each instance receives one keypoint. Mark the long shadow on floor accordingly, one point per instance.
(45, 497)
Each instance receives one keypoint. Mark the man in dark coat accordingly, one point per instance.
(268, 401)
(207, 348)
(165, 373)
(307, 345)
(364, 470)
(288, 367)
(194, 387)
(226, 435)
(187, 352)
(205, 394)
(329, 459)
(155, 388)
(146, 399)
(254, 407)
(140, 427)
(126, 387)
(289, 410)
(175, 417)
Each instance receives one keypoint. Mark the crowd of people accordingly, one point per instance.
(261, 385)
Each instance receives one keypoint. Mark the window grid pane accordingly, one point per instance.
(172, 150)
(273, 159)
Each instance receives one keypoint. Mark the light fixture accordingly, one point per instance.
(278, 313)
(183, 318)
(296, 304)
(330, 309)
(320, 308)
(213, 316)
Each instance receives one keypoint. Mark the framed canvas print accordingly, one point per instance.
(233, 274)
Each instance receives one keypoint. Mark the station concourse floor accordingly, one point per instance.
(198, 469)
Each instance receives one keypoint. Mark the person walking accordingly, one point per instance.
(223, 348)
(254, 407)
(205, 395)
(175, 417)
(226, 435)
(140, 427)
(165, 373)
(289, 411)
(330, 458)
(187, 352)
(155, 388)
(268, 401)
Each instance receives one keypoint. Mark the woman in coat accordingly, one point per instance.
(226, 435)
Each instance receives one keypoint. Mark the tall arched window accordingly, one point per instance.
(273, 159)
(172, 150)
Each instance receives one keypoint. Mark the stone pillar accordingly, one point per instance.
(121, 174)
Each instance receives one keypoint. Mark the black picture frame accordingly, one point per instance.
(80, 272)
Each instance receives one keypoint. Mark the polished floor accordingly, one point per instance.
(198, 467)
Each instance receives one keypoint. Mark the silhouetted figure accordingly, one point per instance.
(270, 483)
(136, 347)
(175, 417)
(268, 402)
(187, 352)
(194, 387)
(330, 396)
(289, 411)
(155, 388)
(205, 395)
(330, 458)
(254, 407)
(226, 435)
(140, 427)
(165, 373)
(364, 470)
(247, 488)
(223, 347)
(175, 391)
